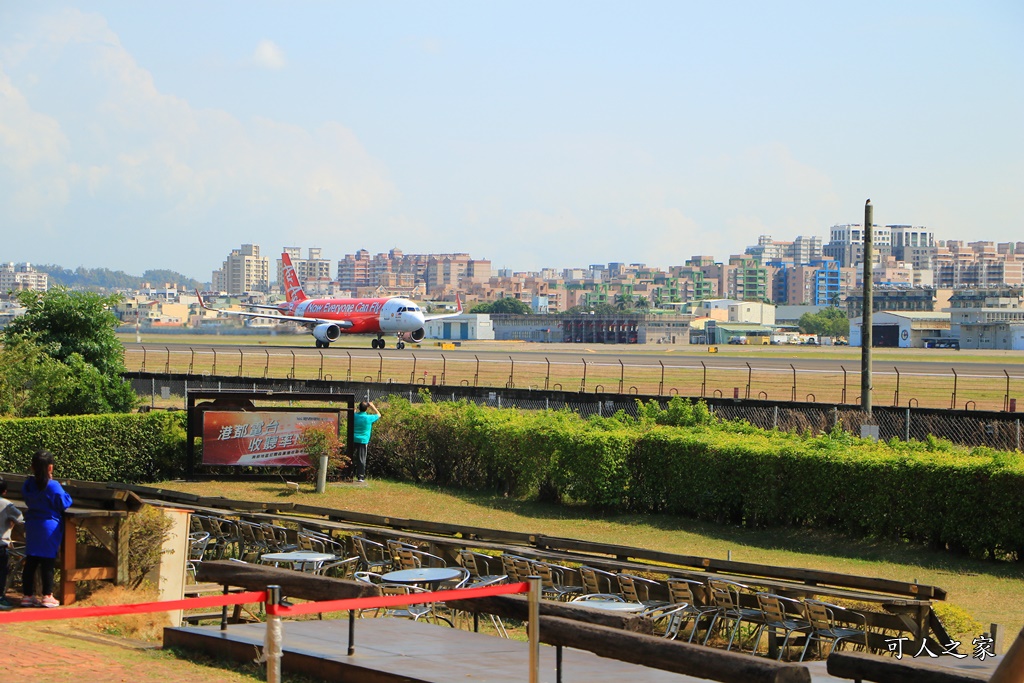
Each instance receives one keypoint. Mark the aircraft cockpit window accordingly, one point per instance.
(402, 309)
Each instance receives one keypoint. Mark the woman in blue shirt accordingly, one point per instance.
(46, 501)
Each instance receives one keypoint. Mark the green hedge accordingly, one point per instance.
(119, 447)
(683, 461)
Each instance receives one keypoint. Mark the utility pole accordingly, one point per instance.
(865, 328)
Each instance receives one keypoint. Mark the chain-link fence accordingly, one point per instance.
(970, 428)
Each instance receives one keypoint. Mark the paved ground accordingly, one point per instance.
(36, 654)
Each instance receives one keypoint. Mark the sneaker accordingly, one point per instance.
(29, 601)
(49, 601)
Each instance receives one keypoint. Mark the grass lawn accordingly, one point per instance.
(991, 592)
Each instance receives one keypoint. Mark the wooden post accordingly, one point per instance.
(861, 666)
(670, 655)
(272, 645)
(534, 625)
(1011, 669)
(122, 537)
(69, 561)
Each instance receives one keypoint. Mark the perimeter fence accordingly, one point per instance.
(999, 430)
(917, 385)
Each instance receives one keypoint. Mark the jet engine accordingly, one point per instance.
(328, 332)
(414, 336)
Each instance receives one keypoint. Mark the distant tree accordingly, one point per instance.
(77, 331)
(104, 279)
(642, 303)
(604, 309)
(510, 305)
(623, 301)
(830, 322)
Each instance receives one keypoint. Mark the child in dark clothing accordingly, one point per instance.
(9, 516)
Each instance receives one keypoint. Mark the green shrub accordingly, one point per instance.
(116, 447)
(682, 460)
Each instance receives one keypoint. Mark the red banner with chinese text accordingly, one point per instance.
(259, 438)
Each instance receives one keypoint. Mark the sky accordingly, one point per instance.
(139, 135)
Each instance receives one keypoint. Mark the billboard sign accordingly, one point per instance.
(261, 438)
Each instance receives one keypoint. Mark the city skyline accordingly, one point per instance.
(532, 136)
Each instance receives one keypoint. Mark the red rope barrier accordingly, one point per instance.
(25, 615)
(391, 600)
(138, 608)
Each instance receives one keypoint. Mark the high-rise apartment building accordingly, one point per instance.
(846, 243)
(977, 264)
(803, 249)
(243, 271)
(22, 277)
(913, 244)
(314, 272)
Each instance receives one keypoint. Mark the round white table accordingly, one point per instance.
(430, 576)
(303, 560)
(610, 605)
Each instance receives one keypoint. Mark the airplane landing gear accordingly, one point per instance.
(400, 345)
(322, 345)
(377, 343)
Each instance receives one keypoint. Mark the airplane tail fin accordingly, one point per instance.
(292, 288)
(202, 304)
(458, 303)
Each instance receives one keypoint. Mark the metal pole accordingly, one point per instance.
(534, 628)
(272, 646)
(906, 426)
(351, 632)
(865, 328)
(1006, 398)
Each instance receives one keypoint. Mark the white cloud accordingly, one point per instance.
(269, 56)
(131, 158)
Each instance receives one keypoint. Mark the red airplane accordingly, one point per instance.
(327, 319)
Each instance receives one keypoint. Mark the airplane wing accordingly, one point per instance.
(309, 322)
(458, 311)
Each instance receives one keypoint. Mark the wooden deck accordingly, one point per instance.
(393, 650)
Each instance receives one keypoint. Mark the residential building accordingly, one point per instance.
(314, 272)
(977, 265)
(819, 283)
(913, 244)
(803, 249)
(16, 278)
(846, 243)
(243, 271)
